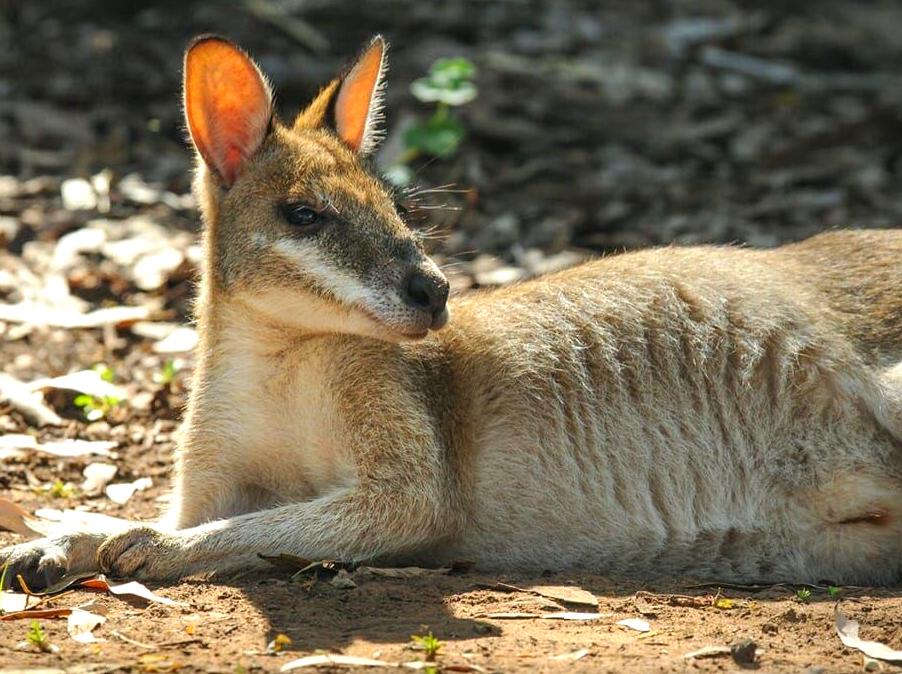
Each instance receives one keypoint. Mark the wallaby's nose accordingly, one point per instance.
(427, 293)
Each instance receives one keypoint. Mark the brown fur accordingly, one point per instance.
(713, 411)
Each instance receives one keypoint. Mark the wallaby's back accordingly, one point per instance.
(859, 274)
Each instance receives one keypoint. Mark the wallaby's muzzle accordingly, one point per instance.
(428, 293)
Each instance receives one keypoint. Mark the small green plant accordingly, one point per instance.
(105, 372)
(833, 592)
(37, 638)
(167, 373)
(448, 85)
(60, 489)
(96, 407)
(429, 643)
(803, 594)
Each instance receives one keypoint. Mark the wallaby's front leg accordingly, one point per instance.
(352, 525)
(44, 561)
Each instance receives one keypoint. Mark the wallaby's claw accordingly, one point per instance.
(139, 553)
(40, 563)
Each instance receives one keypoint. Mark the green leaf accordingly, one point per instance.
(437, 137)
(84, 400)
(452, 69)
(448, 82)
(105, 372)
(428, 91)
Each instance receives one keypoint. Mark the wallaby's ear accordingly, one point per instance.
(358, 105)
(228, 105)
(352, 104)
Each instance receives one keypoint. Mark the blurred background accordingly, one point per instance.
(584, 126)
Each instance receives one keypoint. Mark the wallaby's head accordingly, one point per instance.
(299, 227)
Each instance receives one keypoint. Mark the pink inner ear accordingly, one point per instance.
(358, 97)
(228, 106)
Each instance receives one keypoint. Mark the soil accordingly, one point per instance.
(597, 128)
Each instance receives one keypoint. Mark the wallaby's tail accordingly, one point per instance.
(859, 274)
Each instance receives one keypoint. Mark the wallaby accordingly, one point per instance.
(715, 412)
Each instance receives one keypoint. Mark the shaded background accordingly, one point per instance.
(599, 125)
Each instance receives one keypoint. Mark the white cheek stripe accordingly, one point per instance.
(308, 260)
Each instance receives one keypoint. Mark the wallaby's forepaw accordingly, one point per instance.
(40, 563)
(142, 553)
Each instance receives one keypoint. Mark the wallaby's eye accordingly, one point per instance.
(300, 216)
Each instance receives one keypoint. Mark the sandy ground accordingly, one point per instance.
(225, 626)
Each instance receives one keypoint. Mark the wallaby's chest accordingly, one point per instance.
(289, 436)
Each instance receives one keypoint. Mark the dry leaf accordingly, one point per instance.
(572, 655)
(121, 492)
(66, 448)
(153, 270)
(279, 644)
(83, 381)
(81, 625)
(180, 340)
(78, 194)
(571, 615)
(708, 652)
(14, 518)
(51, 521)
(848, 633)
(36, 313)
(565, 593)
(72, 447)
(13, 602)
(37, 614)
(329, 659)
(133, 588)
(559, 615)
(635, 624)
(403, 572)
(97, 476)
(26, 401)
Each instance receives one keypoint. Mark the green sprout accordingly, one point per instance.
(803, 594)
(96, 407)
(429, 643)
(105, 372)
(37, 638)
(60, 489)
(448, 85)
(3, 580)
(167, 374)
(833, 592)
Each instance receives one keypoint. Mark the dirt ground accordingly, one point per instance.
(598, 127)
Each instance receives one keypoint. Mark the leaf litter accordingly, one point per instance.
(80, 624)
(847, 630)
(635, 624)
